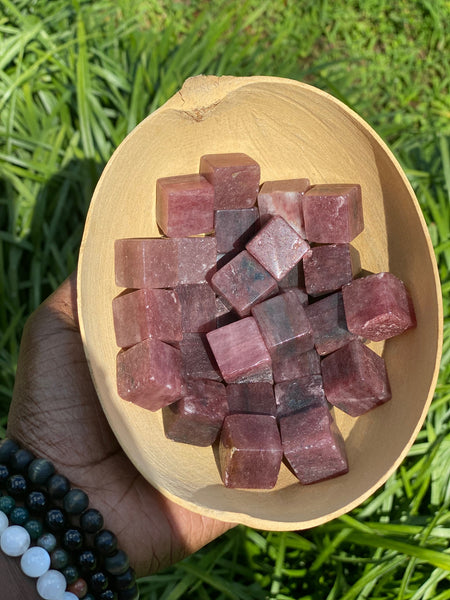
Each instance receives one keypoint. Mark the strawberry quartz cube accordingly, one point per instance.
(234, 227)
(184, 205)
(243, 282)
(147, 313)
(328, 323)
(378, 307)
(250, 451)
(277, 247)
(149, 374)
(319, 452)
(197, 359)
(251, 398)
(333, 213)
(355, 379)
(299, 292)
(198, 416)
(197, 307)
(235, 177)
(283, 198)
(327, 268)
(297, 365)
(164, 262)
(284, 326)
(240, 352)
(299, 394)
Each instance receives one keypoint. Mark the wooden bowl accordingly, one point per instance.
(292, 130)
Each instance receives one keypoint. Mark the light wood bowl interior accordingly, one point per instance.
(292, 130)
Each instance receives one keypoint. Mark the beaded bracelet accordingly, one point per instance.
(61, 541)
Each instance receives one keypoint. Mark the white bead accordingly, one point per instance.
(35, 562)
(3, 522)
(51, 585)
(69, 596)
(15, 540)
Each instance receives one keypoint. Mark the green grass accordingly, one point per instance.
(76, 77)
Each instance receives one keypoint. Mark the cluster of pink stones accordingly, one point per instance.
(248, 334)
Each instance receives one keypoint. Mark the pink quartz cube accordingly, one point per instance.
(328, 323)
(250, 451)
(146, 313)
(235, 177)
(277, 247)
(284, 326)
(327, 268)
(198, 361)
(198, 416)
(198, 307)
(378, 307)
(251, 398)
(283, 198)
(234, 227)
(333, 213)
(297, 365)
(355, 379)
(299, 292)
(319, 452)
(299, 394)
(196, 259)
(149, 374)
(146, 262)
(240, 351)
(184, 205)
(243, 282)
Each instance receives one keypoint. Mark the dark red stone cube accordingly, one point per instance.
(299, 394)
(327, 268)
(355, 379)
(297, 365)
(234, 227)
(198, 307)
(283, 198)
(197, 359)
(250, 451)
(146, 262)
(251, 398)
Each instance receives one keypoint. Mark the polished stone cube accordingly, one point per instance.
(319, 452)
(328, 323)
(144, 313)
(378, 306)
(283, 198)
(197, 359)
(277, 247)
(197, 307)
(297, 365)
(284, 326)
(235, 177)
(197, 258)
(333, 213)
(184, 205)
(250, 451)
(149, 374)
(240, 352)
(327, 268)
(198, 416)
(355, 379)
(234, 227)
(299, 394)
(243, 282)
(251, 398)
(299, 292)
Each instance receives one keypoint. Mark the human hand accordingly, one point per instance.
(56, 414)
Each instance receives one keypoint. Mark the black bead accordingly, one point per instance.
(105, 542)
(75, 502)
(34, 528)
(99, 582)
(55, 520)
(20, 460)
(72, 539)
(36, 502)
(40, 470)
(7, 448)
(108, 595)
(91, 521)
(17, 486)
(117, 563)
(129, 594)
(70, 573)
(58, 486)
(59, 559)
(87, 560)
(4, 474)
(125, 580)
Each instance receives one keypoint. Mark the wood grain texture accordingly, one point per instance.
(293, 130)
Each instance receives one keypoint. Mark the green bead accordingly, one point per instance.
(40, 470)
(75, 502)
(7, 503)
(34, 528)
(19, 515)
(59, 559)
(47, 541)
